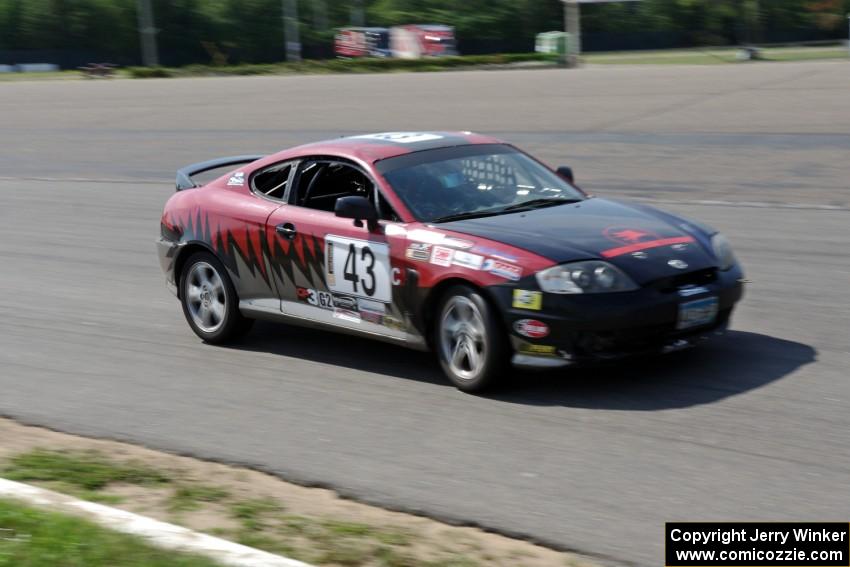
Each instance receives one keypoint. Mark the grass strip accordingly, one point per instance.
(712, 56)
(84, 471)
(35, 538)
(359, 65)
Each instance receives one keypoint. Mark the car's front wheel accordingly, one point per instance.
(469, 340)
(209, 300)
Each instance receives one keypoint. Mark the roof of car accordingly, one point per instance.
(375, 147)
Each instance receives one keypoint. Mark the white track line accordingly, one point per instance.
(159, 534)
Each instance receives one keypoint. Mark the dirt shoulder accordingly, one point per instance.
(311, 524)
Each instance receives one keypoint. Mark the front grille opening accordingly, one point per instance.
(639, 339)
(695, 278)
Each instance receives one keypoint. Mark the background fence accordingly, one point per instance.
(74, 32)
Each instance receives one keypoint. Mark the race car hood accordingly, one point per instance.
(638, 239)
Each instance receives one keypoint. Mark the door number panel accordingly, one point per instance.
(358, 267)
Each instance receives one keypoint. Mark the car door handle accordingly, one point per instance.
(287, 230)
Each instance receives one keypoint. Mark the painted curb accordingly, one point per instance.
(159, 534)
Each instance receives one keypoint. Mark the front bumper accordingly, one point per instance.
(597, 327)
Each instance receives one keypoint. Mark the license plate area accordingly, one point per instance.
(697, 313)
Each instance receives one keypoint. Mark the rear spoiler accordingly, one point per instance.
(184, 175)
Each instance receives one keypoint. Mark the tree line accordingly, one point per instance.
(235, 31)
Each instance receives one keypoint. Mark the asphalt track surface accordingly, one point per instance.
(753, 426)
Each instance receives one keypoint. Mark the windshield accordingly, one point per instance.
(473, 181)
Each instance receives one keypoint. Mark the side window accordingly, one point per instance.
(321, 183)
(272, 181)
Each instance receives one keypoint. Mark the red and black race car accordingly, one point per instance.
(448, 241)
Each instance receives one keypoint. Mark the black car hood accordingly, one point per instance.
(639, 239)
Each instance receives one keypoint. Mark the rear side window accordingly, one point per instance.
(273, 181)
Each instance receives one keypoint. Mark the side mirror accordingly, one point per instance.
(566, 172)
(358, 208)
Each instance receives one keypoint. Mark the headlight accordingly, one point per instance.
(722, 251)
(591, 276)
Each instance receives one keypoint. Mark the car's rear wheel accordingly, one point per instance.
(469, 340)
(209, 300)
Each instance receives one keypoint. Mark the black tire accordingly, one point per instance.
(454, 336)
(211, 308)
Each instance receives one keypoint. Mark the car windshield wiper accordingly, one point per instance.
(468, 215)
(539, 203)
(525, 205)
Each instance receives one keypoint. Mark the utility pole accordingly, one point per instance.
(147, 33)
(572, 25)
(290, 28)
(358, 19)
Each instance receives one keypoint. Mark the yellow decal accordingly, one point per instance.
(537, 349)
(525, 299)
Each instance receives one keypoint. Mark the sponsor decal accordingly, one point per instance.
(371, 306)
(324, 300)
(628, 235)
(371, 317)
(394, 230)
(495, 253)
(679, 247)
(467, 260)
(526, 299)
(503, 269)
(442, 256)
(427, 236)
(321, 299)
(345, 302)
(431, 237)
(418, 251)
(527, 348)
(316, 298)
(640, 255)
(237, 179)
(397, 276)
(329, 253)
(303, 293)
(401, 137)
(458, 243)
(678, 264)
(346, 314)
(531, 328)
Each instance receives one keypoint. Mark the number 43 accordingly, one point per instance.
(351, 273)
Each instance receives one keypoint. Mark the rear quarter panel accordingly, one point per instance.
(229, 222)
